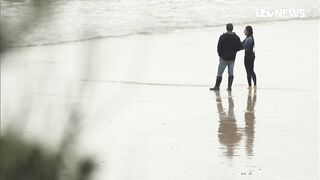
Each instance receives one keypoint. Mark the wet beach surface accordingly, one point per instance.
(147, 112)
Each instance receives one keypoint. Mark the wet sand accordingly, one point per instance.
(147, 113)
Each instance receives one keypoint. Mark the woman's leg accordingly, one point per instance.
(248, 70)
(254, 77)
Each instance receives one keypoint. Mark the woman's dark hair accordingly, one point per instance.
(249, 30)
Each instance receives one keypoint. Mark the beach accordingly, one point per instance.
(147, 112)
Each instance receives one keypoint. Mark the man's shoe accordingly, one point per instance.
(215, 89)
(217, 85)
(230, 81)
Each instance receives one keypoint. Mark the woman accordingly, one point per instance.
(248, 46)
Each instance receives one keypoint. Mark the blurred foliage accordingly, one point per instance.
(25, 160)
(22, 160)
(37, 9)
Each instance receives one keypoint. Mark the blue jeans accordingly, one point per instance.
(222, 66)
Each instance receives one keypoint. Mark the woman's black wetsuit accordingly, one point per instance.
(249, 57)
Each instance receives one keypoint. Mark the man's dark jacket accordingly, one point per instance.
(228, 45)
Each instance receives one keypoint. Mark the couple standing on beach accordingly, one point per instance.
(228, 46)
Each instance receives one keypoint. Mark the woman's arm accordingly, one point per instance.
(247, 43)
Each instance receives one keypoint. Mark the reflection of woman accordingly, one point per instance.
(250, 121)
(249, 56)
(228, 131)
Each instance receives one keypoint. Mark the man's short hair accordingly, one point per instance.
(229, 27)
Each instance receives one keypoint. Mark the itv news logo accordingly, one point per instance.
(280, 13)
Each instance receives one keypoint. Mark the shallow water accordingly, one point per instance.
(84, 19)
(147, 113)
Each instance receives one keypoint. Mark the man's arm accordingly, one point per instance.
(219, 47)
(239, 44)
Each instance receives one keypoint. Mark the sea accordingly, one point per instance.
(33, 23)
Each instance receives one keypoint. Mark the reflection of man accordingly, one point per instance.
(250, 121)
(228, 131)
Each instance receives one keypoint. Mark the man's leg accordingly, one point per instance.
(230, 72)
(221, 68)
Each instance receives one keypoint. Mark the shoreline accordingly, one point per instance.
(187, 29)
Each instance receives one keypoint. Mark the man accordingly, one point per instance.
(228, 45)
